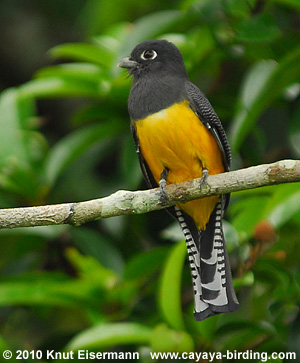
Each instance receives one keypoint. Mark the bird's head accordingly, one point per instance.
(154, 57)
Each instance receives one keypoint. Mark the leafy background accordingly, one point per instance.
(123, 284)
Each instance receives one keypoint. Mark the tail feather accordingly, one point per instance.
(209, 263)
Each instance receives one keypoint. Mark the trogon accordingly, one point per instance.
(178, 137)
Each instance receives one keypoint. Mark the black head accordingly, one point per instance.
(159, 77)
(156, 57)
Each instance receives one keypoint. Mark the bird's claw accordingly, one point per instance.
(164, 198)
(203, 181)
(163, 193)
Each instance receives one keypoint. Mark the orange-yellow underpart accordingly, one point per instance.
(176, 139)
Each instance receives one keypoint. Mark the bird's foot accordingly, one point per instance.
(164, 198)
(203, 181)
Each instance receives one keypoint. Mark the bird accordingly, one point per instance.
(179, 137)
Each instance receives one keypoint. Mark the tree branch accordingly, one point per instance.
(126, 202)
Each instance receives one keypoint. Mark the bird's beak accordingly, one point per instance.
(127, 63)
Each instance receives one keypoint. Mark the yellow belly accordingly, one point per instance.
(176, 139)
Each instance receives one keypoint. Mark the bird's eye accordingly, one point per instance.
(149, 54)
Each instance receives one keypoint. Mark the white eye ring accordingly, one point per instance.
(151, 54)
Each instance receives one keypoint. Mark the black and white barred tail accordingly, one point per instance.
(209, 264)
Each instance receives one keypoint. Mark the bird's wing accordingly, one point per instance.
(144, 167)
(210, 119)
(204, 110)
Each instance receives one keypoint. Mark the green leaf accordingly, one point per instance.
(255, 81)
(244, 220)
(46, 290)
(73, 145)
(246, 280)
(91, 270)
(47, 232)
(280, 281)
(205, 329)
(90, 112)
(22, 149)
(294, 132)
(78, 71)
(83, 52)
(260, 28)
(265, 82)
(56, 86)
(131, 171)
(231, 236)
(163, 339)
(11, 124)
(170, 287)
(239, 9)
(104, 336)
(143, 265)
(253, 86)
(93, 243)
(294, 4)
(284, 204)
(173, 232)
(22, 180)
